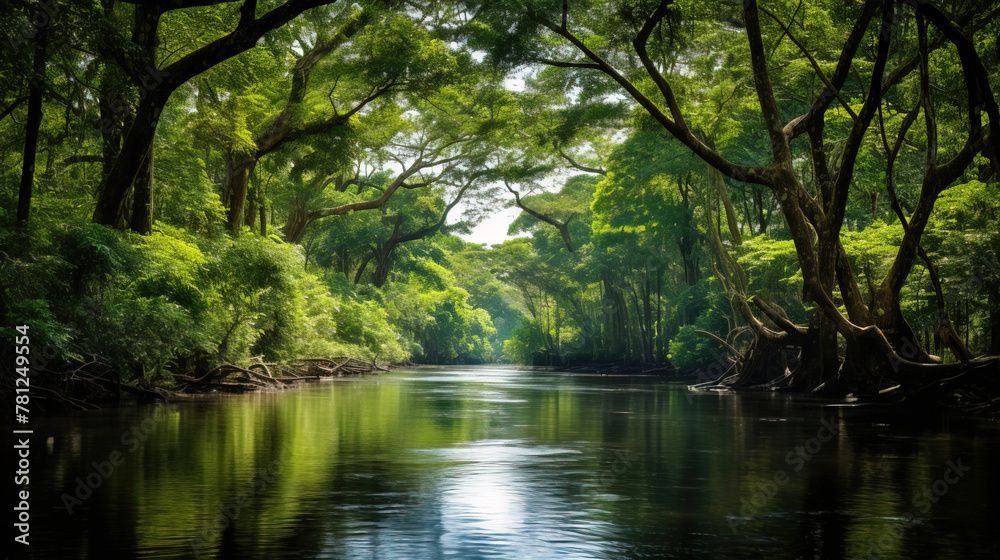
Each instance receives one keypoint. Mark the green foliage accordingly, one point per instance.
(147, 304)
(688, 351)
(964, 243)
(451, 330)
(773, 269)
(470, 265)
(138, 335)
(186, 197)
(873, 249)
(329, 107)
(524, 342)
(124, 299)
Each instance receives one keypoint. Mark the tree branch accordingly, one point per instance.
(739, 172)
(559, 64)
(845, 172)
(930, 119)
(563, 226)
(639, 44)
(243, 38)
(780, 149)
(14, 105)
(819, 71)
(371, 204)
(977, 83)
(597, 170)
(823, 100)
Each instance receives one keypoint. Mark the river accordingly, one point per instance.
(504, 462)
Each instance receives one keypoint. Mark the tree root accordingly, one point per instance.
(786, 359)
(256, 376)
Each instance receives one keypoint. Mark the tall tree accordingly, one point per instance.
(647, 49)
(35, 89)
(373, 55)
(138, 58)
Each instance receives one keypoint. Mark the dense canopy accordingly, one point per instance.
(768, 194)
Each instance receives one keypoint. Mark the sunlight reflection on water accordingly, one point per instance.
(481, 463)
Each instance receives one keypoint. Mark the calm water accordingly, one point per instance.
(471, 463)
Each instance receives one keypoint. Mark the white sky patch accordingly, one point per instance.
(513, 83)
(492, 230)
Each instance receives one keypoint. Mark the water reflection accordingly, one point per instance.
(507, 463)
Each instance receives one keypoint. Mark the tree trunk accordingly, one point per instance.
(250, 215)
(827, 359)
(116, 186)
(263, 219)
(156, 86)
(616, 318)
(558, 331)
(686, 243)
(253, 195)
(383, 263)
(295, 225)
(648, 315)
(141, 220)
(660, 356)
(115, 117)
(31, 128)
(238, 170)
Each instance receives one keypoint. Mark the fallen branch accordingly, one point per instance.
(719, 339)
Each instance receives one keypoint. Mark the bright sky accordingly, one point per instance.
(492, 230)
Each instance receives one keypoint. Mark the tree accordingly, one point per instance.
(445, 138)
(655, 37)
(35, 90)
(374, 55)
(138, 59)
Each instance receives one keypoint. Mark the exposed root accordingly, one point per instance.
(89, 381)
(257, 376)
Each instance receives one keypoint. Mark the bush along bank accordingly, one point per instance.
(117, 316)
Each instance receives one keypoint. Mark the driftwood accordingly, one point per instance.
(112, 386)
(259, 375)
(65, 400)
(88, 380)
(222, 372)
(262, 366)
(337, 367)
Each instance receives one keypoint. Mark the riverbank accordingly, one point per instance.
(978, 398)
(80, 390)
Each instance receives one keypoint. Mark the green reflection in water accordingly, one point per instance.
(508, 463)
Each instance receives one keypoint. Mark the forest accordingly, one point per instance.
(776, 195)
